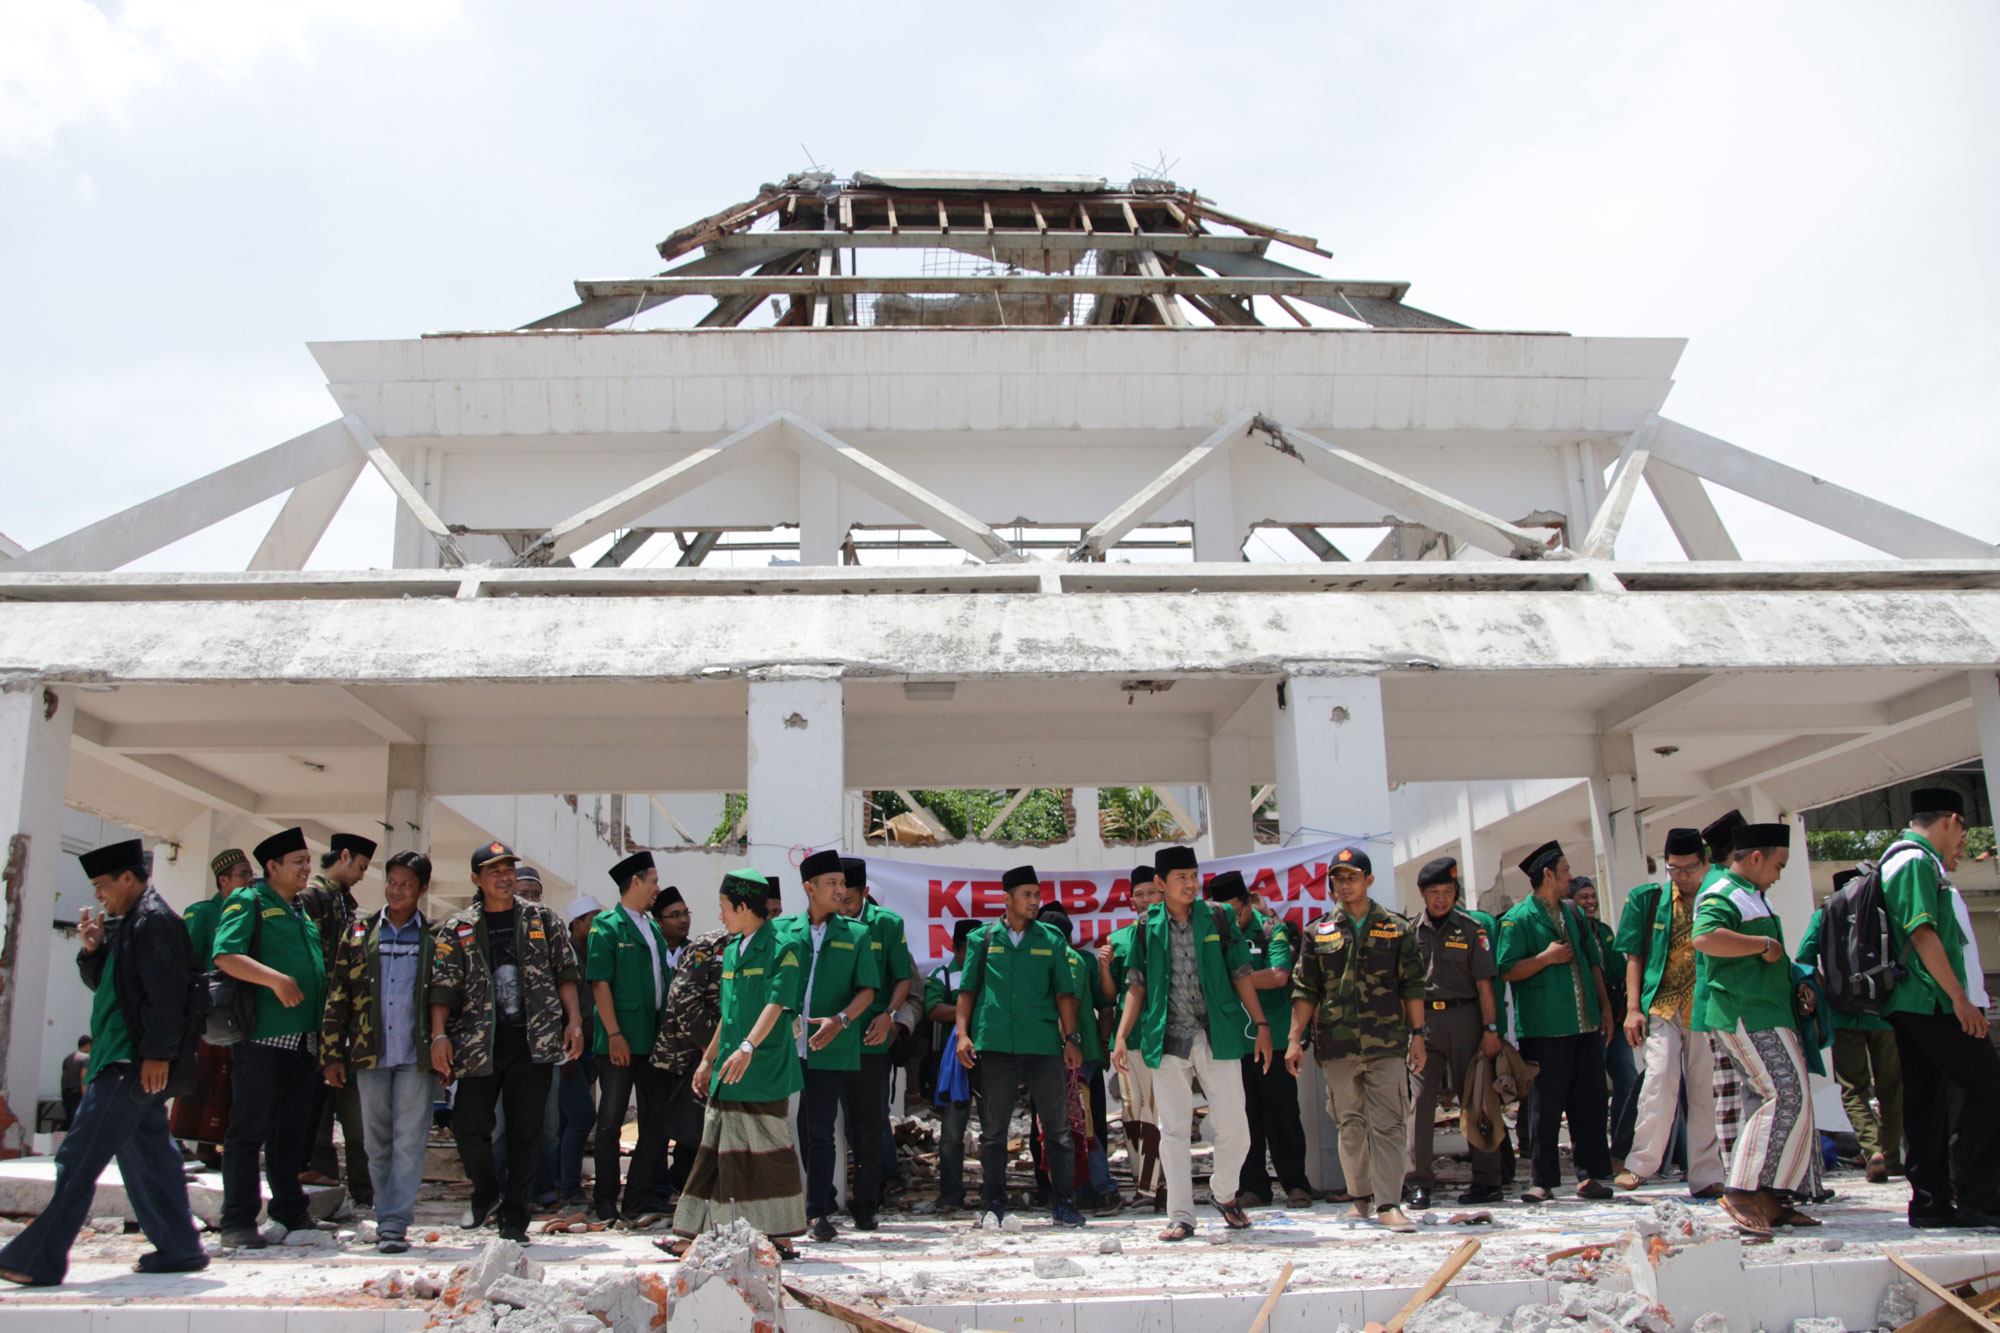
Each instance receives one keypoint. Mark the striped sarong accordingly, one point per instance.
(1778, 1141)
(746, 1167)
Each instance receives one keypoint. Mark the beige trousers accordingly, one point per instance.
(1173, 1092)
(1368, 1097)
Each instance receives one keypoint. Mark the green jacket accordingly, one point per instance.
(1559, 1001)
(1913, 890)
(887, 940)
(288, 943)
(619, 956)
(1014, 988)
(1644, 929)
(846, 965)
(1221, 956)
(1745, 990)
(1089, 999)
(1271, 946)
(350, 1032)
(766, 968)
(1358, 975)
(202, 919)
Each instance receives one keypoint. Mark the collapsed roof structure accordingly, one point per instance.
(986, 477)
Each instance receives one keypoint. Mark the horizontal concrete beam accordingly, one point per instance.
(609, 638)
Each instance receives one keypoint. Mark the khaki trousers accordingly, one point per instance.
(1672, 1053)
(1368, 1097)
(1173, 1091)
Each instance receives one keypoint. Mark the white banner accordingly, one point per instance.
(931, 899)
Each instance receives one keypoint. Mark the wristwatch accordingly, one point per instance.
(747, 1048)
(1417, 1031)
(1494, 1028)
(844, 1020)
(1073, 1038)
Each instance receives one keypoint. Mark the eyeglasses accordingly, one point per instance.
(1347, 876)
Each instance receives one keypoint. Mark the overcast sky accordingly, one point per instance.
(192, 189)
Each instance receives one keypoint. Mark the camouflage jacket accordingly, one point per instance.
(331, 908)
(462, 979)
(350, 1028)
(694, 1004)
(1357, 976)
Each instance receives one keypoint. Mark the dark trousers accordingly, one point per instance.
(1937, 1054)
(115, 1119)
(521, 1087)
(1624, 1075)
(270, 1112)
(1570, 1085)
(576, 1109)
(685, 1112)
(71, 1099)
(615, 1088)
(1001, 1075)
(344, 1105)
(1271, 1103)
(952, 1120)
(876, 1072)
(827, 1093)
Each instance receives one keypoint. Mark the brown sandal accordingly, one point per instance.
(1177, 1231)
(1744, 1215)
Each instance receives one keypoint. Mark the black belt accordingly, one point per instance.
(1452, 1004)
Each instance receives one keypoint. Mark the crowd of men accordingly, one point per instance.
(744, 1049)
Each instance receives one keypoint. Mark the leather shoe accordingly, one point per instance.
(1934, 1221)
(1418, 1196)
(1483, 1194)
(824, 1229)
(1878, 1169)
(1972, 1217)
(1593, 1189)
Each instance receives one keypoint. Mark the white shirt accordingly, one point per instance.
(1015, 935)
(674, 953)
(1975, 975)
(805, 1005)
(644, 925)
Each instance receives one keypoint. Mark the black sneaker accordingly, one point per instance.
(864, 1220)
(392, 1245)
(242, 1238)
(1483, 1194)
(824, 1229)
(476, 1215)
(1064, 1214)
(515, 1232)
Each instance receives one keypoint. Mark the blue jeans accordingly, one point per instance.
(577, 1111)
(116, 1119)
(396, 1126)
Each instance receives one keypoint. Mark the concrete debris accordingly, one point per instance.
(1819, 1326)
(1056, 1265)
(111, 1224)
(367, 1233)
(747, 1266)
(495, 1260)
(1011, 1222)
(522, 1294)
(579, 1323)
(9, 1228)
(1832, 1244)
(309, 1238)
(389, 1286)
(424, 1288)
(628, 1303)
(1898, 1306)
(1712, 1322)
(479, 1320)
(1445, 1314)
(1111, 1245)
(273, 1233)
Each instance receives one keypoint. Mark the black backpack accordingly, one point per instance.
(231, 1015)
(1854, 953)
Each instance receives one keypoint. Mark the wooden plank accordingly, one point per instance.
(1292, 310)
(986, 207)
(1032, 284)
(821, 302)
(1271, 1300)
(1432, 1286)
(1293, 239)
(1169, 307)
(1054, 238)
(853, 1315)
(944, 218)
(1083, 216)
(697, 234)
(1943, 1293)
(1041, 223)
(893, 226)
(1131, 218)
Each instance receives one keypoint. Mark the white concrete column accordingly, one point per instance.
(1333, 779)
(1620, 859)
(35, 723)
(413, 547)
(406, 809)
(797, 775)
(1218, 537)
(1231, 824)
(1083, 805)
(1478, 853)
(820, 530)
(1986, 711)
(1791, 897)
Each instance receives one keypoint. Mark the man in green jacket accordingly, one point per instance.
(1748, 1003)
(1017, 1014)
(232, 870)
(1270, 1096)
(377, 992)
(1941, 1035)
(1189, 1000)
(841, 980)
(1141, 1117)
(886, 939)
(264, 940)
(1359, 990)
(1866, 1066)
(628, 972)
(1549, 955)
(1656, 936)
